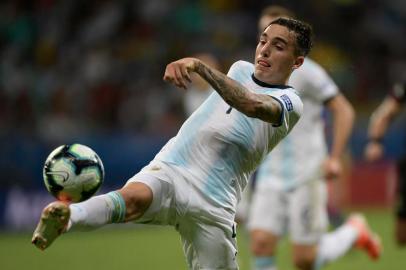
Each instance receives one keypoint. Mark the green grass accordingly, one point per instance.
(155, 248)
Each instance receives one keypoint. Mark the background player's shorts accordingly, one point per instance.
(301, 212)
(208, 233)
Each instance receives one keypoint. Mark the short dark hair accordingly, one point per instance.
(303, 31)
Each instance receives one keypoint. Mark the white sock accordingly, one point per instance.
(264, 263)
(335, 244)
(97, 211)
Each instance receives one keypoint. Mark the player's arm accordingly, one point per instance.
(378, 125)
(343, 120)
(237, 96)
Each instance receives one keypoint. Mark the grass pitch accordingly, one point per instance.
(156, 248)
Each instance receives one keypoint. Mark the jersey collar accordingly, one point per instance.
(264, 84)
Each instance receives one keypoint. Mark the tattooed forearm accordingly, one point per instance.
(237, 96)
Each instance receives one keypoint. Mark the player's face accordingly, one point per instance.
(275, 57)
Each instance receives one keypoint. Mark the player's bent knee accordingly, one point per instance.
(304, 263)
(262, 243)
(138, 197)
(304, 259)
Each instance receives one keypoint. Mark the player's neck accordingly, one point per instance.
(279, 84)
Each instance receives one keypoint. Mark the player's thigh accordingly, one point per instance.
(138, 198)
(154, 180)
(268, 212)
(308, 213)
(208, 246)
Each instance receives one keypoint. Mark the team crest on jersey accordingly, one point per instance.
(288, 102)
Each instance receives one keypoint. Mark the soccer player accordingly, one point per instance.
(290, 192)
(195, 181)
(379, 123)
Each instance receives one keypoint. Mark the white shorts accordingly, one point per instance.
(208, 233)
(301, 212)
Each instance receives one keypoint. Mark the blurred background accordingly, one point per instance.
(91, 72)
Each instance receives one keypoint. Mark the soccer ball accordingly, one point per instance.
(73, 173)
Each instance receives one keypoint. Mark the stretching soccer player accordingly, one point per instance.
(195, 181)
(290, 192)
(380, 121)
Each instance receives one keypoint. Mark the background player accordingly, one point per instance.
(379, 123)
(290, 189)
(199, 89)
(194, 183)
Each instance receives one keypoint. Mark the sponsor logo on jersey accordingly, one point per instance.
(288, 102)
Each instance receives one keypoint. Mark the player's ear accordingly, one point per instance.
(298, 62)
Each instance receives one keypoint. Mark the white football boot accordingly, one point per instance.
(53, 222)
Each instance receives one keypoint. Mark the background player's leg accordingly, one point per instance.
(267, 222)
(308, 221)
(304, 256)
(355, 232)
(263, 248)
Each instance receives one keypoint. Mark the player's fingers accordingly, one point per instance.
(168, 75)
(185, 73)
(180, 82)
(175, 78)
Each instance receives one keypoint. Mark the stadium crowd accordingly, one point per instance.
(69, 67)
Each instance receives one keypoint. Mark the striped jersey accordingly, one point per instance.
(218, 147)
(299, 157)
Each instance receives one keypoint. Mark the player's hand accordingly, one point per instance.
(178, 72)
(332, 168)
(373, 151)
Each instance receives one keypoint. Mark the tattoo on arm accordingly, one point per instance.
(237, 96)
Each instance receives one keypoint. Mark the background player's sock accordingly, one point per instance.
(264, 263)
(97, 211)
(335, 244)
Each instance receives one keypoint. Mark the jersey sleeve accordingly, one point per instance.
(317, 82)
(292, 108)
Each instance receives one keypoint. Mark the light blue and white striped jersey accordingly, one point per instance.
(299, 157)
(219, 147)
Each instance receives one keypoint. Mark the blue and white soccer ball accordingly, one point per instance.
(73, 173)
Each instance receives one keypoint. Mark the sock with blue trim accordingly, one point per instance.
(264, 263)
(97, 211)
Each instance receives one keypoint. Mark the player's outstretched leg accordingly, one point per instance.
(367, 240)
(126, 204)
(54, 220)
